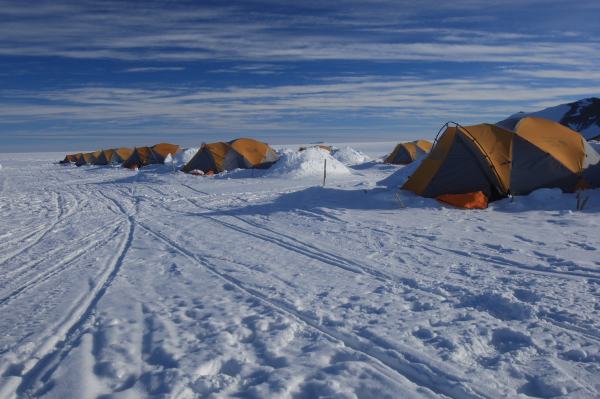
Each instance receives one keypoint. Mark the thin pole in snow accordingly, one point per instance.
(324, 171)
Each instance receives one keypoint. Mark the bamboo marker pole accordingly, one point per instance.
(324, 171)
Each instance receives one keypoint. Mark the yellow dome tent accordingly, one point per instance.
(144, 156)
(240, 153)
(405, 153)
(487, 158)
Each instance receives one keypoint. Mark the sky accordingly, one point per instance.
(85, 75)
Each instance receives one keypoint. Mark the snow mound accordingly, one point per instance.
(307, 163)
(349, 156)
(184, 156)
(399, 177)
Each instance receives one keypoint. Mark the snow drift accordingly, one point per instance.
(307, 163)
(349, 156)
(184, 156)
(398, 178)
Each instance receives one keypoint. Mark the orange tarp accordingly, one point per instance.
(476, 200)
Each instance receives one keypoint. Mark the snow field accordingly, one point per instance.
(161, 284)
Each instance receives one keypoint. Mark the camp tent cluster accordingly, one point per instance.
(241, 153)
(497, 162)
(132, 158)
(466, 166)
(211, 158)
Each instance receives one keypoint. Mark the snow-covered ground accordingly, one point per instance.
(160, 284)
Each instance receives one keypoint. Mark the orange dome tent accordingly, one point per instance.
(487, 158)
(405, 153)
(144, 156)
(240, 153)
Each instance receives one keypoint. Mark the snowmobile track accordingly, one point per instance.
(31, 265)
(60, 217)
(64, 264)
(49, 362)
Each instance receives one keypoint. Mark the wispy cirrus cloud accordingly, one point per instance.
(153, 69)
(430, 101)
(373, 67)
(383, 30)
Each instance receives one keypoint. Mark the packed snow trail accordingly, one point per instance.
(160, 284)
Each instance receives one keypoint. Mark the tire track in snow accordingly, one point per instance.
(24, 237)
(313, 252)
(31, 265)
(59, 267)
(53, 352)
(308, 250)
(404, 365)
(61, 216)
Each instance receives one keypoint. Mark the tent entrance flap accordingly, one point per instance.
(461, 172)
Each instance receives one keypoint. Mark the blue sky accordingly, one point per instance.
(93, 74)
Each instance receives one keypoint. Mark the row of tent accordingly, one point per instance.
(482, 161)
(490, 162)
(132, 158)
(211, 158)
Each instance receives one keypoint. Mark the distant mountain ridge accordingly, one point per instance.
(583, 116)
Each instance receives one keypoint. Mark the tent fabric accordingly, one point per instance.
(87, 158)
(140, 157)
(405, 153)
(562, 143)
(591, 167)
(548, 155)
(105, 157)
(114, 156)
(475, 200)
(240, 153)
(209, 158)
(462, 171)
(498, 162)
(69, 158)
(532, 168)
(144, 156)
(121, 154)
(162, 150)
(254, 153)
(465, 159)
(102, 157)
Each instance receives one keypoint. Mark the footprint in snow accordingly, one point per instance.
(507, 340)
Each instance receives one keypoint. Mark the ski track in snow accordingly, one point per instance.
(77, 324)
(160, 284)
